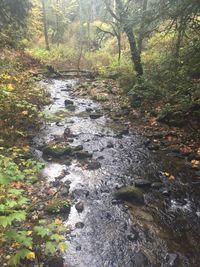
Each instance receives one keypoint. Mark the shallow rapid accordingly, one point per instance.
(109, 233)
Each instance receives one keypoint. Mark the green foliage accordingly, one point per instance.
(174, 79)
(56, 53)
(20, 103)
(15, 175)
(143, 92)
(13, 15)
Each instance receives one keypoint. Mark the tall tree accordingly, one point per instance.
(45, 25)
(142, 26)
(123, 17)
(13, 15)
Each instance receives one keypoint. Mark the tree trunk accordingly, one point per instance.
(134, 51)
(57, 23)
(142, 25)
(128, 29)
(119, 48)
(45, 25)
(80, 35)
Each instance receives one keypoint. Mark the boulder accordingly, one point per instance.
(131, 194)
(56, 150)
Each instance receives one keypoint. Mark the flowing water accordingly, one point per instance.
(163, 232)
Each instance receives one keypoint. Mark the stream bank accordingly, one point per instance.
(109, 154)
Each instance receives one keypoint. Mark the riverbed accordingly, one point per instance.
(164, 231)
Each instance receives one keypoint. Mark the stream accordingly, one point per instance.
(108, 233)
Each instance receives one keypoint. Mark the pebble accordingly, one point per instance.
(166, 193)
(78, 248)
(79, 225)
(131, 237)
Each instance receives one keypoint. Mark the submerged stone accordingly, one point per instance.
(82, 154)
(70, 107)
(79, 225)
(96, 115)
(93, 165)
(77, 148)
(69, 102)
(131, 194)
(89, 109)
(156, 185)
(142, 183)
(79, 207)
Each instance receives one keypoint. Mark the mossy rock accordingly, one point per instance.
(58, 116)
(130, 194)
(58, 205)
(57, 150)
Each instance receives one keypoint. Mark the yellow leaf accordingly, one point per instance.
(171, 178)
(167, 174)
(29, 233)
(25, 112)
(62, 247)
(58, 221)
(30, 256)
(35, 217)
(26, 148)
(195, 163)
(15, 245)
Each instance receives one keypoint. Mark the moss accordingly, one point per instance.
(101, 97)
(57, 150)
(131, 194)
(57, 116)
(58, 205)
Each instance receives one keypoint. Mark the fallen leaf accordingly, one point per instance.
(30, 256)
